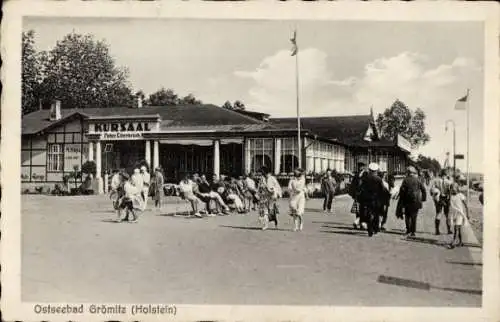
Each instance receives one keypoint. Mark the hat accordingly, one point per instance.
(411, 169)
(125, 175)
(373, 166)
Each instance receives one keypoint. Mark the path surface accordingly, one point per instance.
(73, 252)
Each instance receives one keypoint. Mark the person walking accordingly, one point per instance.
(274, 189)
(298, 192)
(269, 192)
(386, 200)
(412, 194)
(131, 200)
(371, 195)
(328, 187)
(137, 179)
(146, 179)
(440, 193)
(458, 214)
(159, 180)
(354, 193)
(114, 191)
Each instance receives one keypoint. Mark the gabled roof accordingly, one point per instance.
(38, 121)
(346, 129)
(178, 116)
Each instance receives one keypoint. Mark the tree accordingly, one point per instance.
(432, 164)
(81, 72)
(190, 100)
(30, 74)
(163, 97)
(227, 105)
(399, 119)
(238, 105)
(140, 94)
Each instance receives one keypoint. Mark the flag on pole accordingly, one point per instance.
(294, 43)
(461, 103)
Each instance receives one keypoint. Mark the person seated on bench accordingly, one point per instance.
(232, 195)
(187, 193)
(207, 194)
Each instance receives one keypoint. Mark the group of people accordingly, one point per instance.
(130, 193)
(450, 203)
(372, 191)
(224, 194)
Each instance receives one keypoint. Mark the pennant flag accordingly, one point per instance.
(295, 49)
(461, 103)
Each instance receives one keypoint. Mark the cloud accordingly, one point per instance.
(407, 76)
(404, 76)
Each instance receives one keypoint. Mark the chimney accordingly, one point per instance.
(139, 102)
(55, 110)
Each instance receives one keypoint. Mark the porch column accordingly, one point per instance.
(216, 158)
(248, 160)
(148, 153)
(277, 156)
(156, 154)
(100, 185)
(91, 151)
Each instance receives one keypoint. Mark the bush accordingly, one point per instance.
(58, 191)
(89, 167)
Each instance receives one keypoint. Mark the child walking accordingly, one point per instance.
(459, 214)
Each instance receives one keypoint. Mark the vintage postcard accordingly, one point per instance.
(250, 161)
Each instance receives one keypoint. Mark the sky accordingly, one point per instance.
(345, 67)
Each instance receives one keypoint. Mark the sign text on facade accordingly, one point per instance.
(122, 127)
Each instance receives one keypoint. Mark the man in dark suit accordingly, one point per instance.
(371, 198)
(412, 194)
(354, 189)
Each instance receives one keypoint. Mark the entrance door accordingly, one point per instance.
(231, 159)
(178, 160)
(128, 154)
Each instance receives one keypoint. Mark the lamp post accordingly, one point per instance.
(454, 144)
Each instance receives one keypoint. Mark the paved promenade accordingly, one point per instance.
(72, 251)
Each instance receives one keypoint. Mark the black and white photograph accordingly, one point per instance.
(166, 162)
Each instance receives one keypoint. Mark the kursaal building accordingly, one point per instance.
(204, 139)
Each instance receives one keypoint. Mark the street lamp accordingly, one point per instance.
(454, 144)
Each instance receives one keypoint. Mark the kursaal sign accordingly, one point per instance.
(122, 127)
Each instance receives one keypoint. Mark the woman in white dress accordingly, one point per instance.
(298, 192)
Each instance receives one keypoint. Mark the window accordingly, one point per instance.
(55, 157)
(289, 157)
(261, 153)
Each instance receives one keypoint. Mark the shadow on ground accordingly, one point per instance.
(402, 282)
(253, 228)
(465, 263)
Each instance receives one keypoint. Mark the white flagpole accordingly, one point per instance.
(299, 143)
(467, 106)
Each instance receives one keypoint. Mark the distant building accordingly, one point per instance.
(196, 138)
